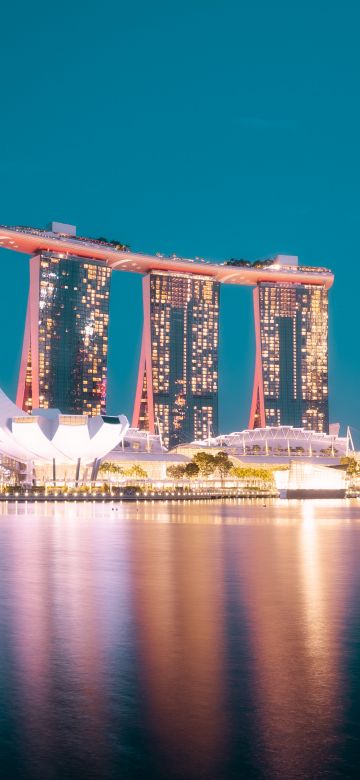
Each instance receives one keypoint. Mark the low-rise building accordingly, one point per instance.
(276, 444)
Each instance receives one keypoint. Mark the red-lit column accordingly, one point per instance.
(257, 411)
(27, 396)
(143, 416)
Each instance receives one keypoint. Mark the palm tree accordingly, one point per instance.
(137, 472)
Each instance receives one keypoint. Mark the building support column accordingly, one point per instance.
(27, 396)
(257, 411)
(144, 398)
(94, 470)
(77, 475)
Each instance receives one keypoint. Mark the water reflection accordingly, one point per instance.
(179, 605)
(294, 602)
(185, 641)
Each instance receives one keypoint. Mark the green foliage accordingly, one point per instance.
(352, 465)
(136, 471)
(191, 470)
(223, 464)
(175, 471)
(105, 467)
(112, 468)
(248, 264)
(116, 244)
(205, 463)
(278, 467)
(251, 473)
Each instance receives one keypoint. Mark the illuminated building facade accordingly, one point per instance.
(65, 346)
(177, 390)
(64, 358)
(291, 370)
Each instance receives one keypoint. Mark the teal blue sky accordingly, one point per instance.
(203, 127)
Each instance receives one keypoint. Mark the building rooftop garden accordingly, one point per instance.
(270, 263)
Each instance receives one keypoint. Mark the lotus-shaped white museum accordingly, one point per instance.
(47, 435)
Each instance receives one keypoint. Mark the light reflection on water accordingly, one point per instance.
(180, 640)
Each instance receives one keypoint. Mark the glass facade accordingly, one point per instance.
(294, 355)
(72, 335)
(184, 333)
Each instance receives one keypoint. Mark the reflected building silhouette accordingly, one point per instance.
(136, 643)
(26, 559)
(179, 607)
(293, 605)
(65, 618)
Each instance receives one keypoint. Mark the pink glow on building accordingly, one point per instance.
(257, 411)
(283, 268)
(27, 396)
(282, 271)
(143, 416)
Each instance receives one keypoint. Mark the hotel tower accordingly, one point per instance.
(291, 365)
(177, 390)
(64, 357)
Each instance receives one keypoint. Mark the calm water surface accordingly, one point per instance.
(201, 641)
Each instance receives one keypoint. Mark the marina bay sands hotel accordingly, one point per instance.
(65, 348)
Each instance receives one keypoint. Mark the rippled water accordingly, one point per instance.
(200, 641)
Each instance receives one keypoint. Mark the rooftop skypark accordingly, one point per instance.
(117, 255)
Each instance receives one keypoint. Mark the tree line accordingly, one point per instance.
(112, 468)
(204, 464)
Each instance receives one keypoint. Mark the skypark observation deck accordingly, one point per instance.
(64, 359)
(282, 268)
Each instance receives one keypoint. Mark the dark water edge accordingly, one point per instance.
(206, 641)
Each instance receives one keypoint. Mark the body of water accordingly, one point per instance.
(200, 641)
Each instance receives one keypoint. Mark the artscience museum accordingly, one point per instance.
(49, 438)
